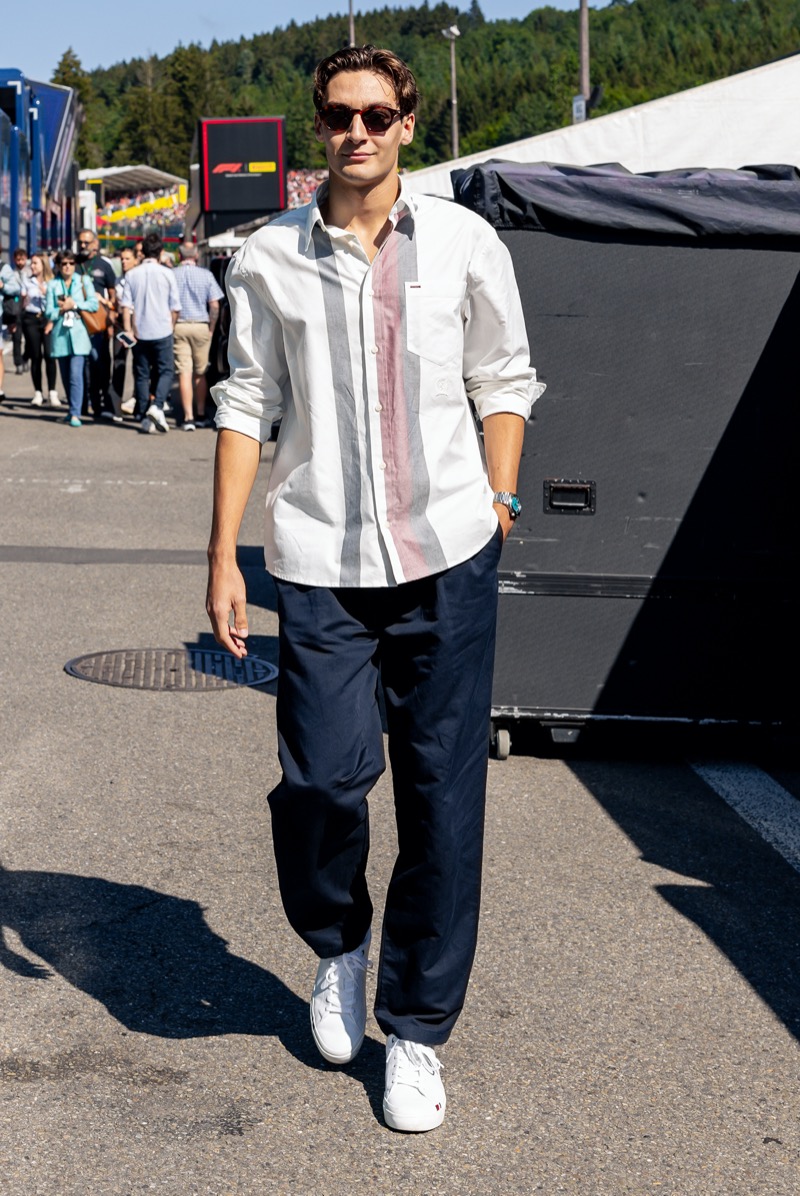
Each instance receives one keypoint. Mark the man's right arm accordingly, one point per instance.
(235, 469)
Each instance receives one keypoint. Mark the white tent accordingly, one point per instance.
(744, 120)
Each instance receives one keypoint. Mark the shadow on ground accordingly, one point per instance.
(152, 960)
(740, 892)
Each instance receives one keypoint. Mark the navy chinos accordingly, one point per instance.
(431, 644)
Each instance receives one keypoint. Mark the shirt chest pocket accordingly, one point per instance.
(434, 324)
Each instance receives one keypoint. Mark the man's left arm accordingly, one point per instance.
(502, 440)
(174, 299)
(498, 376)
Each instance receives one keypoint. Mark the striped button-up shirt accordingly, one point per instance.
(378, 476)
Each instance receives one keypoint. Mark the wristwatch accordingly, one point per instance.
(510, 502)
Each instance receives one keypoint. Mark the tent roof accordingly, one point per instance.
(743, 119)
(128, 180)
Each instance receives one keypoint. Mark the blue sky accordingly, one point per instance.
(33, 39)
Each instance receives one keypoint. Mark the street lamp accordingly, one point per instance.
(451, 34)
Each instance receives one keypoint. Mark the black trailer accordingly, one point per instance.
(654, 570)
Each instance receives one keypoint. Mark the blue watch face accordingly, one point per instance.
(516, 506)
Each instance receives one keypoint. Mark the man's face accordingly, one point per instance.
(87, 245)
(128, 260)
(359, 158)
(20, 260)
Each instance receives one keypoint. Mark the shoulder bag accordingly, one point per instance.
(95, 321)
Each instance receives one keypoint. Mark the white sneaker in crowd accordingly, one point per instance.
(158, 417)
(38, 399)
(188, 425)
(147, 426)
(53, 399)
(128, 406)
(339, 1004)
(414, 1099)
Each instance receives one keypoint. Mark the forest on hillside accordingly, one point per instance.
(515, 78)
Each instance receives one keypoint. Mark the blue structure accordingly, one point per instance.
(39, 125)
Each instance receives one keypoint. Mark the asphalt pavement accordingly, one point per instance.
(633, 1017)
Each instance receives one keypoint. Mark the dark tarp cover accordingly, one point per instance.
(751, 201)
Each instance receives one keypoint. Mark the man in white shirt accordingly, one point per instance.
(368, 320)
(150, 309)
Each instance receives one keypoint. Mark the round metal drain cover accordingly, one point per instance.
(189, 669)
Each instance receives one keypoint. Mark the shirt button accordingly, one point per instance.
(441, 383)
(373, 349)
(379, 406)
(381, 465)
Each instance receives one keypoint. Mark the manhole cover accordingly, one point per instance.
(190, 669)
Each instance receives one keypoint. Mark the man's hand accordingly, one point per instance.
(504, 519)
(235, 469)
(227, 592)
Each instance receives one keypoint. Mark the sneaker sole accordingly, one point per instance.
(156, 424)
(413, 1125)
(329, 1055)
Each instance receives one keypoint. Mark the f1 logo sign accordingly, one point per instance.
(245, 167)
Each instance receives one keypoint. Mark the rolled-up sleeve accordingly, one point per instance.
(497, 372)
(251, 398)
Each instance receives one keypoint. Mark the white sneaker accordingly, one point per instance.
(53, 398)
(414, 1099)
(147, 426)
(158, 417)
(38, 399)
(339, 1004)
(129, 406)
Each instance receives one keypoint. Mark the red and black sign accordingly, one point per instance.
(242, 165)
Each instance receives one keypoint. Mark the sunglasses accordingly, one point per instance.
(377, 118)
(85, 244)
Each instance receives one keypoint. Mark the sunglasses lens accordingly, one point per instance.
(337, 119)
(376, 120)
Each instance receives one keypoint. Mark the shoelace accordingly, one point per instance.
(340, 978)
(408, 1059)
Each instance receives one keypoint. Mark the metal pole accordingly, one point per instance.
(583, 49)
(451, 34)
(453, 96)
(352, 26)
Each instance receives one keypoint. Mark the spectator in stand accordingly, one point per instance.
(150, 308)
(199, 294)
(13, 280)
(91, 264)
(37, 342)
(69, 343)
(128, 261)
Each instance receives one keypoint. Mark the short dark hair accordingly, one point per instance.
(368, 58)
(152, 245)
(64, 255)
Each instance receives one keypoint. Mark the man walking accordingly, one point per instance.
(97, 379)
(199, 293)
(150, 307)
(369, 320)
(128, 261)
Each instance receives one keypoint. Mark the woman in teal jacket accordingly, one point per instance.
(67, 296)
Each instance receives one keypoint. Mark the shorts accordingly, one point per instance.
(192, 343)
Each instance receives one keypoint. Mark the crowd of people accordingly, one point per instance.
(83, 314)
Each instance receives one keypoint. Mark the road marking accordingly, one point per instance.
(83, 483)
(760, 801)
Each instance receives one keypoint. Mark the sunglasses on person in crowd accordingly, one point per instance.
(84, 244)
(376, 118)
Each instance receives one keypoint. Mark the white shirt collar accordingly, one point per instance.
(406, 202)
